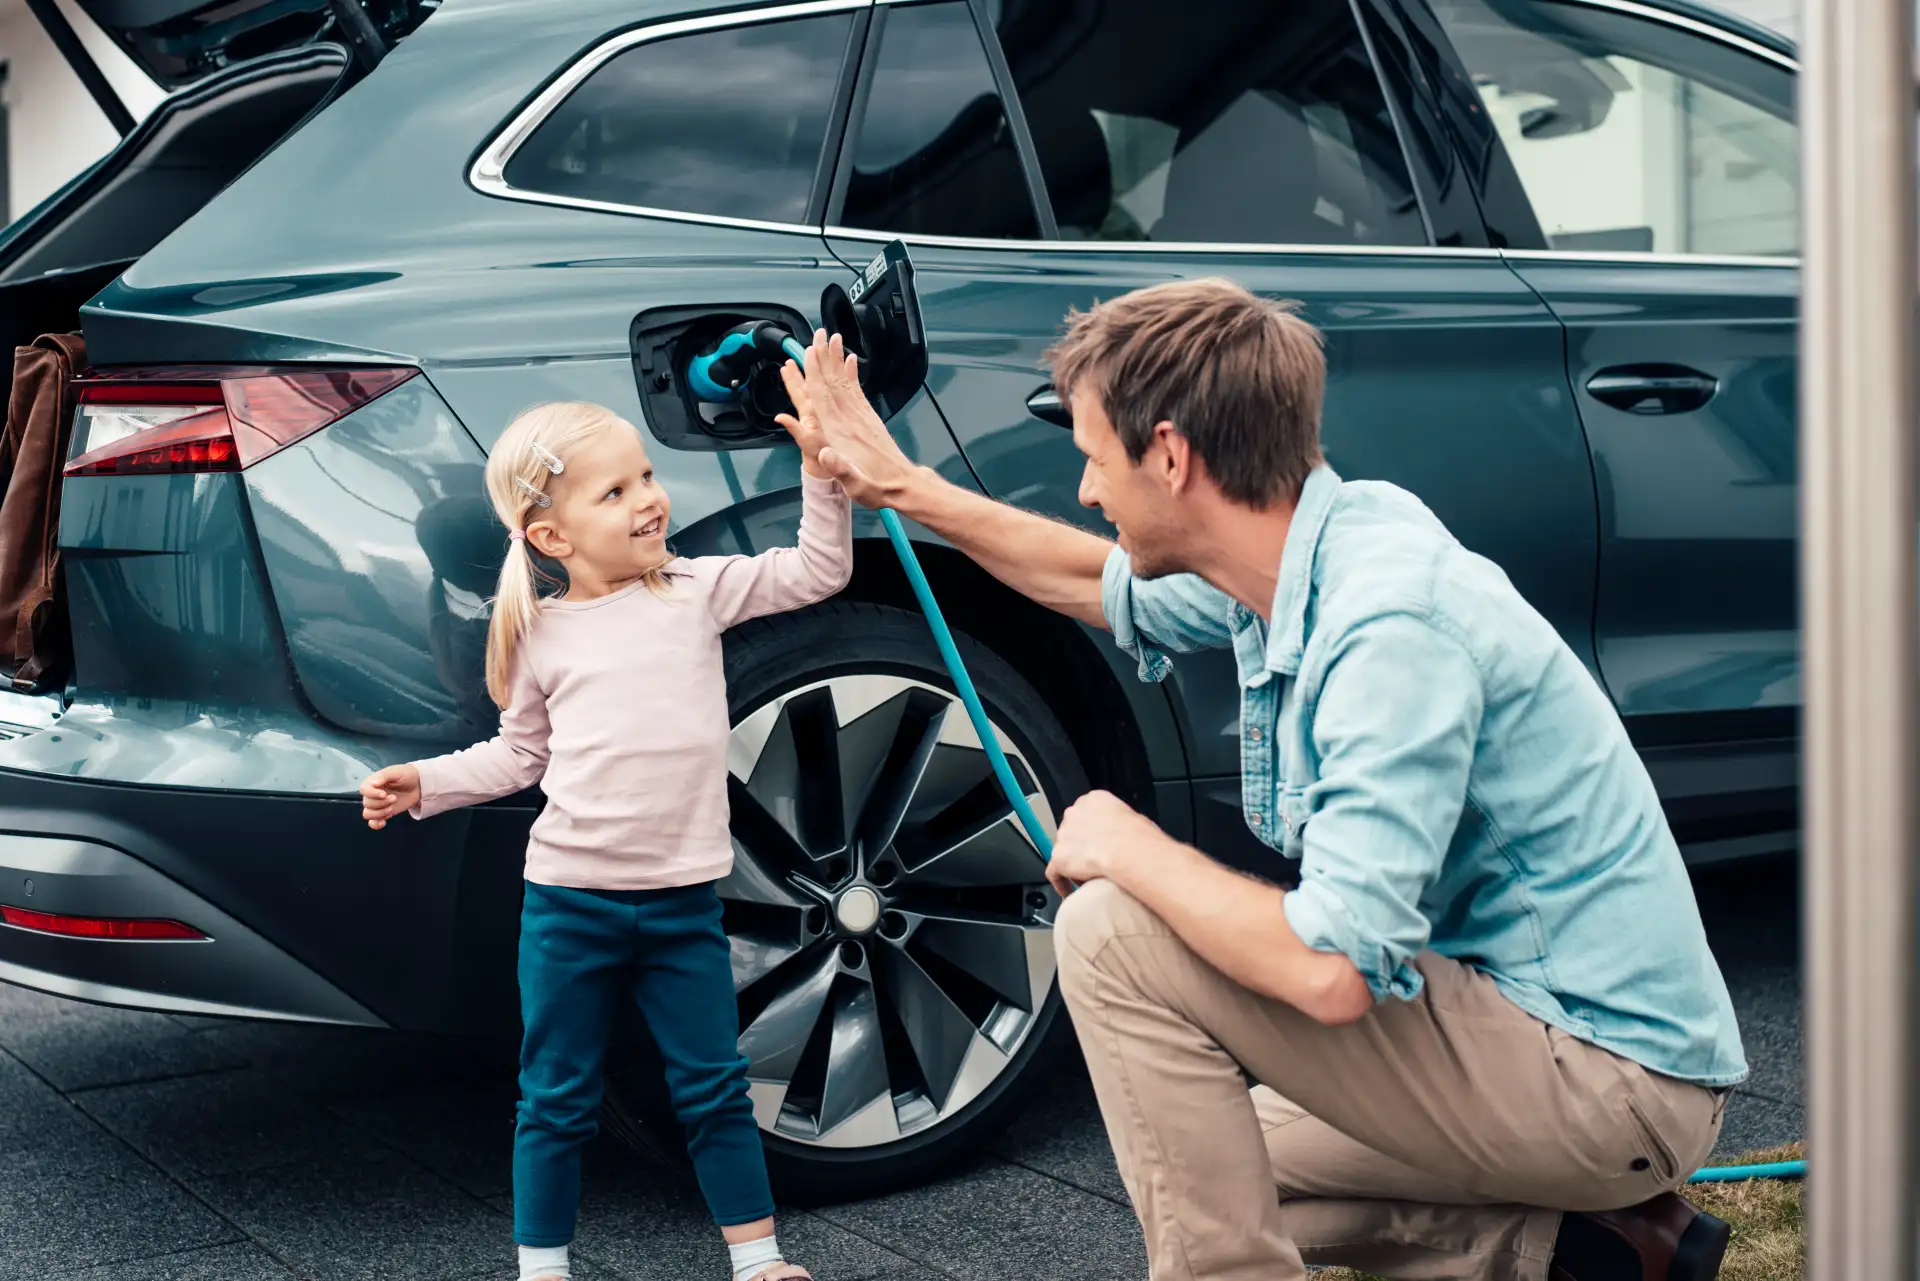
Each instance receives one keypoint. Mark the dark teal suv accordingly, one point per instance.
(1551, 243)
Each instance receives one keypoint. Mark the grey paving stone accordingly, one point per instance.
(996, 1221)
(461, 1132)
(1775, 1056)
(77, 1046)
(1766, 999)
(108, 1208)
(505, 1268)
(34, 1118)
(43, 1137)
(382, 1219)
(1754, 1122)
(583, 1269)
(224, 1123)
(646, 1222)
(1752, 915)
(1061, 1135)
(222, 1263)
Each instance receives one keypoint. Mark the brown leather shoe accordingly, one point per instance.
(1664, 1239)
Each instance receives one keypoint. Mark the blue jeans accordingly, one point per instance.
(581, 951)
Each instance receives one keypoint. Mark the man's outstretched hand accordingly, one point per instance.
(856, 448)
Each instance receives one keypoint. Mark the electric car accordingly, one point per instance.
(1551, 243)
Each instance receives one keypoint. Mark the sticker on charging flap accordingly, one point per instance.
(876, 271)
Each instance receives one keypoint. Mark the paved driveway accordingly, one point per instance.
(144, 1147)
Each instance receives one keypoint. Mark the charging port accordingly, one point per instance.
(664, 340)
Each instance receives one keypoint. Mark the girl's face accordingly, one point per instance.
(608, 522)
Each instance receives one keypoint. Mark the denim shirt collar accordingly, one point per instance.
(1287, 622)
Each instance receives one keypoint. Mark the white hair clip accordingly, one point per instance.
(547, 459)
(532, 491)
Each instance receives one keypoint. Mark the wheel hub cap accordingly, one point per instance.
(890, 922)
(858, 910)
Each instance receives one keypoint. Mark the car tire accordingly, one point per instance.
(879, 670)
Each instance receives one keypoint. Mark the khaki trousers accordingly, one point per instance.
(1412, 1143)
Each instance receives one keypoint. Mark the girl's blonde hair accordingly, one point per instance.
(519, 481)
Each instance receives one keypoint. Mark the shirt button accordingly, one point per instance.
(1253, 732)
(1253, 820)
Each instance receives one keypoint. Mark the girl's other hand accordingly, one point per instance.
(393, 790)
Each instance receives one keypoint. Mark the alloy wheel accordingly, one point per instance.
(891, 922)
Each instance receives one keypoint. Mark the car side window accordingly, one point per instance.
(935, 154)
(726, 122)
(1210, 121)
(1632, 135)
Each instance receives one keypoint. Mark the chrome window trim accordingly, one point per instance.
(488, 172)
(1694, 26)
(1628, 258)
(1164, 246)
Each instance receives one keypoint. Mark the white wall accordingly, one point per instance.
(54, 128)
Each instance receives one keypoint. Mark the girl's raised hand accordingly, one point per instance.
(853, 445)
(804, 428)
(385, 793)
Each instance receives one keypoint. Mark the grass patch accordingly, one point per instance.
(1768, 1227)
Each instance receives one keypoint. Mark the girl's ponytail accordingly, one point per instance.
(515, 602)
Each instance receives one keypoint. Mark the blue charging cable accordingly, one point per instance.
(704, 377)
(950, 654)
(1741, 1173)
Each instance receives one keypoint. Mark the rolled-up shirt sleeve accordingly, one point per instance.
(1394, 728)
(1151, 618)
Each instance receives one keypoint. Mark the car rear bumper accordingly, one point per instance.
(308, 915)
(233, 971)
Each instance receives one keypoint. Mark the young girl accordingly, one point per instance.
(613, 699)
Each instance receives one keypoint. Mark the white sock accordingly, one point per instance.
(754, 1256)
(551, 1261)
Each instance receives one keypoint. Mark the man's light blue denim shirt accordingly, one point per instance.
(1449, 776)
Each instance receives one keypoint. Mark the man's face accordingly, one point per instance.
(1137, 498)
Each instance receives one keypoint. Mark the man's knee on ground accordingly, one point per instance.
(1089, 917)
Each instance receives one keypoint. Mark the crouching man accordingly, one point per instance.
(1489, 1037)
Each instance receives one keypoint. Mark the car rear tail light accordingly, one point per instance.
(205, 419)
(98, 927)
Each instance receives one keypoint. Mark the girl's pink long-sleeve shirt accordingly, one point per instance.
(619, 712)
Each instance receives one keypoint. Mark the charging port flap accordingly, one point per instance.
(878, 318)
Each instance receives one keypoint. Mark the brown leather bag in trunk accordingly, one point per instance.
(33, 449)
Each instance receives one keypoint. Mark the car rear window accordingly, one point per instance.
(935, 154)
(1210, 121)
(728, 122)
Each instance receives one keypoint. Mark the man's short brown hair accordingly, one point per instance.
(1240, 376)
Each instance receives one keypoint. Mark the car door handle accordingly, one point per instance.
(1652, 389)
(1047, 406)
